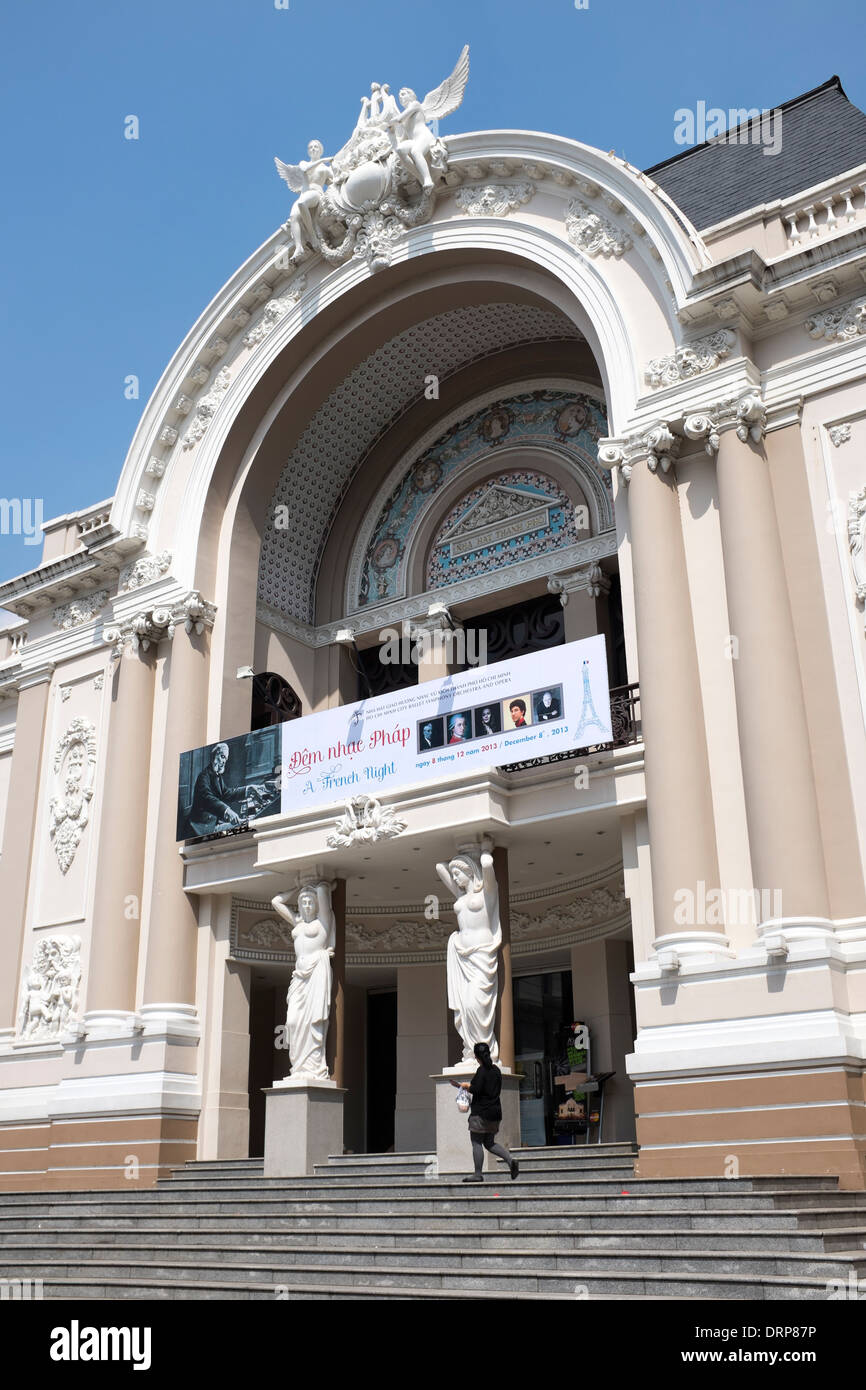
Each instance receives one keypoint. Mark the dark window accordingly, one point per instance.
(524, 627)
(273, 701)
(376, 677)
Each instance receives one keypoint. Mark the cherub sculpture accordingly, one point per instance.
(415, 139)
(308, 180)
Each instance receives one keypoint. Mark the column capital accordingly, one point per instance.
(152, 625)
(746, 413)
(589, 579)
(658, 445)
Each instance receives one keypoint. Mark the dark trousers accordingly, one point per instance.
(480, 1142)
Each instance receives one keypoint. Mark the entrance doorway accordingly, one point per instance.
(542, 1004)
(381, 1070)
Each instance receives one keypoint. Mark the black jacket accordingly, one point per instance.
(211, 795)
(485, 1088)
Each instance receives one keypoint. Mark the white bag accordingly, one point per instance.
(464, 1100)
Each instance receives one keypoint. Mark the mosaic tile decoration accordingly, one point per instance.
(340, 435)
(523, 512)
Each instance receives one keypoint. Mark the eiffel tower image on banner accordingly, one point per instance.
(588, 716)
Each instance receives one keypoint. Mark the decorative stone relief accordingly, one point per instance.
(360, 202)
(51, 989)
(844, 322)
(840, 434)
(206, 408)
(274, 311)
(493, 199)
(143, 571)
(74, 770)
(400, 936)
(593, 234)
(99, 681)
(703, 355)
(81, 610)
(267, 934)
(597, 906)
(857, 540)
(364, 822)
(65, 692)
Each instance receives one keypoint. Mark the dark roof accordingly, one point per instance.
(822, 134)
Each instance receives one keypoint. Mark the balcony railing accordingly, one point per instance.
(625, 726)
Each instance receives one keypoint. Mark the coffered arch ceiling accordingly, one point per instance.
(359, 411)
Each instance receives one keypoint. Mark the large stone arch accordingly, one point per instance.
(201, 468)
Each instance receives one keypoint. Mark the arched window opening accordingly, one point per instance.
(273, 701)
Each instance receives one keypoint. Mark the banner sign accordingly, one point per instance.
(526, 707)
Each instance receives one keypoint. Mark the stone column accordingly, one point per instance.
(781, 804)
(336, 1046)
(422, 1051)
(679, 805)
(25, 780)
(169, 983)
(505, 1029)
(440, 644)
(117, 898)
(581, 593)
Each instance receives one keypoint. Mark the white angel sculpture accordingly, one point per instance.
(308, 180)
(414, 137)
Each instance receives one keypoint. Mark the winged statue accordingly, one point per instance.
(415, 139)
(308, 180)
(362, 199)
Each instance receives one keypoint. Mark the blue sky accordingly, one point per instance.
(113, 247)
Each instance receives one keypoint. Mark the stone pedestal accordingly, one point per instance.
(453, 1145)
(303, 1125)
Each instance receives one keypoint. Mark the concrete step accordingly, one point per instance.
(536, 1185)
(468, 1237)
(467, 1201)
(82, 1290)
(580, 1275)
(248, 1225)
(613, 1167)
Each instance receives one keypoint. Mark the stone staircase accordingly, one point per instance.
(575, 1224)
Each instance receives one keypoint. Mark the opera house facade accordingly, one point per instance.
(579, 448)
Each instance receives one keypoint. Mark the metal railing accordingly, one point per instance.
(624, 722)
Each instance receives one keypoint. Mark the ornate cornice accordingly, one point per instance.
(601, 910)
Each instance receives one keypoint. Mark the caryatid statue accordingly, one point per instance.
(473, 950)
(309, 998)
(308, 180)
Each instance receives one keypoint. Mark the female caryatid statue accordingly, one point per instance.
(473, 951)
(309, 998)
